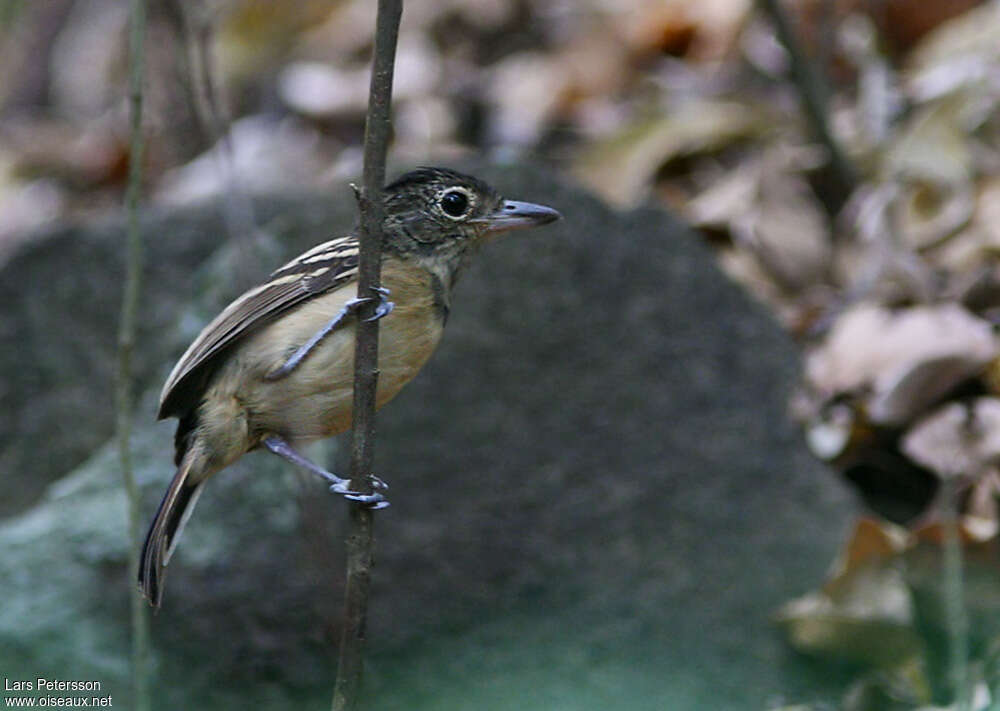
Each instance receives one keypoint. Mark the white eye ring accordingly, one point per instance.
(466, 201)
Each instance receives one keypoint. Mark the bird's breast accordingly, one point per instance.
(315, 399)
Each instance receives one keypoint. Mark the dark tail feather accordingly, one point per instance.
(165, 531)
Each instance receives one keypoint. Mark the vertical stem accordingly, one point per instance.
(213, 115)
(814, 95)
(360, 535)
(126, 342)
(956, 618)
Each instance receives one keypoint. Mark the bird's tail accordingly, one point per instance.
(165, 531)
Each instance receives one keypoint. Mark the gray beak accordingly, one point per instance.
(514, 215)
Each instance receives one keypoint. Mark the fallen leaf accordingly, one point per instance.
(259, 154)
(900, 362)
(701, 31)
(868, 623)
(928, 212)
(871, 543)
(903, 392)
(526, 90)
(957, 439)
(317, 89)
(967, 39)
(931, 148)
(634, 155)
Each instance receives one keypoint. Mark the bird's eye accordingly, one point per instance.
(455, 203)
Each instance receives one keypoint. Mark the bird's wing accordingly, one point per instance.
(325, 267)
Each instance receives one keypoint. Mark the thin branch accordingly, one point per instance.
(956, 617)
(360, 535)
(953, 595)
(814, 95)
(126, 343)
(196, 29)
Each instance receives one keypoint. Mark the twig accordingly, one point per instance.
(211, 112)
(953, 594)
(126, 343)
(814, 95)
(956, 618)
(237, 208)
(360, 534)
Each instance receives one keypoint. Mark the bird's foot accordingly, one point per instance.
(384, 307)
(375, 500)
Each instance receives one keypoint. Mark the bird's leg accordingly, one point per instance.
(283, 449)
(383, 308)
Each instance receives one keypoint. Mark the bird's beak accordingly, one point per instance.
(514, 215)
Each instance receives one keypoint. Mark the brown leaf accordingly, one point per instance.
(621, 169)
(704, 31)
(900, 362)
(871, 542)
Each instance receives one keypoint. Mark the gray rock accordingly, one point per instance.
(598, 498)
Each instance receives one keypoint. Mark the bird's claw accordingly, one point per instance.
(384, 306)
(375, 500)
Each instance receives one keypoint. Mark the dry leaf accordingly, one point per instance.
(928, 212)
(526, 89)
(788, 231)
(262, 154)
(900, 362)
(904, 392)
(869, 622)
(253, 36)
(931, 148)
(635, 155)
(863, 613)
(957, 439)
(871, 543)
(318, 89)
(703, 31)
(769, 209)
(987, 217)
(967, 40)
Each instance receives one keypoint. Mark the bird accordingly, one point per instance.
(275, 368)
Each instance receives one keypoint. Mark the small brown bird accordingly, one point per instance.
(276, 367)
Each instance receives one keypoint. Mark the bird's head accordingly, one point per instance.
(432, 207)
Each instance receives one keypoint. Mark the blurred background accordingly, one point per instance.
(727, 437)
